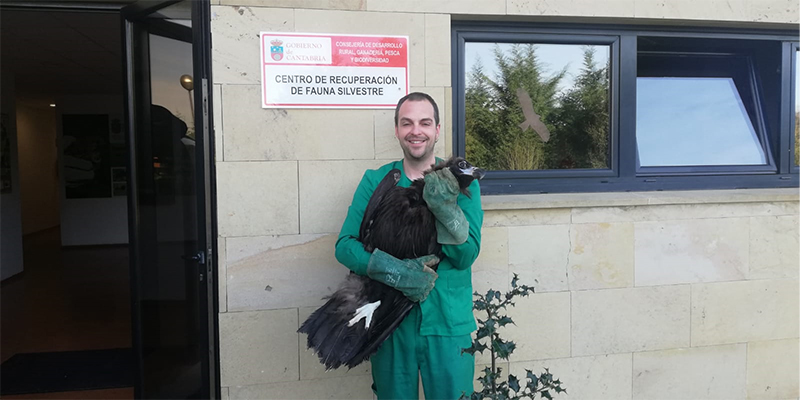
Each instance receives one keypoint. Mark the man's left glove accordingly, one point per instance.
(441, 193)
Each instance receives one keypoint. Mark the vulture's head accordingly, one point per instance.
(464, 172)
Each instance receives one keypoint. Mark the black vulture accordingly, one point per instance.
(362, 313)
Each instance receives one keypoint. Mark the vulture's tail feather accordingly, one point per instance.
(330, 334)
(388, 318)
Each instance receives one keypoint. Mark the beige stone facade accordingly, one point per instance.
(663, 295)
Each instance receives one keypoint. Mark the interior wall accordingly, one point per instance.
(98, 220)
(10, 221)
(38, 166)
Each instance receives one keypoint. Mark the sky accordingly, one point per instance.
(553, 57)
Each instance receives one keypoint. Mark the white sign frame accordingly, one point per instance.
(333, 71)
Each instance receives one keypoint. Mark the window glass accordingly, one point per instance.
(537, 106)
(693, 121)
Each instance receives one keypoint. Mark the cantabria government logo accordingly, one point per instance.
(276, 50)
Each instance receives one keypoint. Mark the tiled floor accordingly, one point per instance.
(66, 299)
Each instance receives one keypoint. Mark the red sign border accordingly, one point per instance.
(264, 65)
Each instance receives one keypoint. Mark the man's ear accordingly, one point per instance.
(438, 128)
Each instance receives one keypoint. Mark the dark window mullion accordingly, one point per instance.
(789, 105)
(627, 106)
(459, 81)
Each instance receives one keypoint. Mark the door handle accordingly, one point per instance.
(198, 257)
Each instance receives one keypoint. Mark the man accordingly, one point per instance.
(429, 341)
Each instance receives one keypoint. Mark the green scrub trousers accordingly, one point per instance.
(405, 355)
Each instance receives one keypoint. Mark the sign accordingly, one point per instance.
(310, 70)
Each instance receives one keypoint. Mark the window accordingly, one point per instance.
(520, 96)
(556, 109)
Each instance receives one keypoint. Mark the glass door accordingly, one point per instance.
(169, 201)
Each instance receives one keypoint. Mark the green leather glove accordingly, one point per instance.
(441, 193)
(413, 277)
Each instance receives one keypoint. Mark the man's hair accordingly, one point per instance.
(417, 96)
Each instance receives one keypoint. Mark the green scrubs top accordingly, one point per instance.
(448, 309)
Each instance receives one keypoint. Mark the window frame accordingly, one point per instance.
(603, 40)
(790, 64)
(625, 173)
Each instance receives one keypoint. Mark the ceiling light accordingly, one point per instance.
(187, 82)
(52, 104)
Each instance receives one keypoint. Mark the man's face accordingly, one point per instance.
(416, 129)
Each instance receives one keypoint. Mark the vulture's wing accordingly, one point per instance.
(389, 181)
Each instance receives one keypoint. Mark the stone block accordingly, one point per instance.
(716, 372)
(670, 212)
(719, 10)
(545, 216)
(628, 320)
(774, 247)
(263, 271)
(350, 387)
(773, 368)
(253, 133)
(236, 47)
(437, 50)
(490, 270)
(703, 250)
(386, 145)
(735, 312)
(577, 8)
(312, 368)
(222, 275)
(777, 11)
(541, 326)
(539, 255)
(257, 198)
(594, 377)
(440, 6)
(601, 256)
(326, 191)
(258, 347)
(321, 4)
(223, 391)
(371, 23)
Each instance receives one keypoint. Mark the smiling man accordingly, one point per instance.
(428, 342)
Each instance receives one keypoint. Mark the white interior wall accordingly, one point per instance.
(38, 169)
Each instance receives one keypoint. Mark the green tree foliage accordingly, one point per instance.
(578, 117)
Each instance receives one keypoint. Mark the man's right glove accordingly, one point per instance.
(413, 277)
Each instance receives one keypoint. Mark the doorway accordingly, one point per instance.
(104, 105)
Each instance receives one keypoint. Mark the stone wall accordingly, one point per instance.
(639, 295)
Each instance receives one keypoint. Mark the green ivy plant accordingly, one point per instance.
(494, 304)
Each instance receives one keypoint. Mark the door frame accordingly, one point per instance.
(206, 182)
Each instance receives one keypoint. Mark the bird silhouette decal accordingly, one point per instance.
(532, 119)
